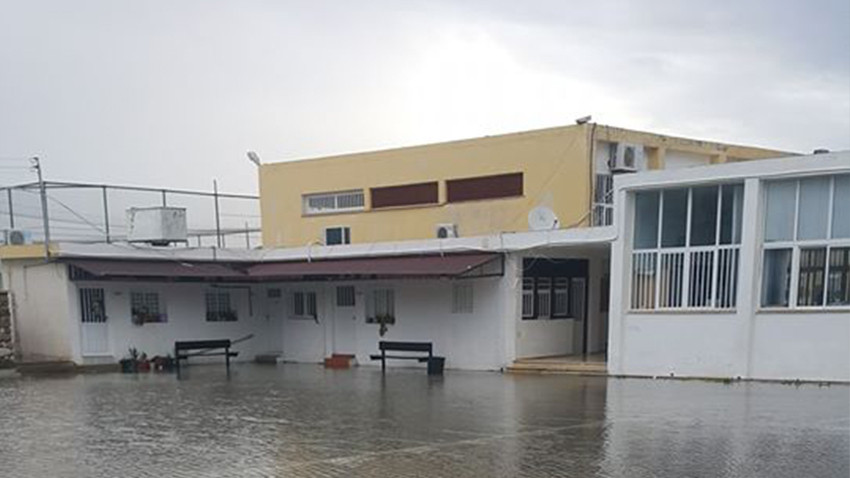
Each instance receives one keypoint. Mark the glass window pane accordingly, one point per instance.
(776, 279)
(841, 207)
(838, 290)
(779, 217)
(674, 218)
(810, 281)
(646, 219)
(814, 208)
(731, 211)
(704, 216)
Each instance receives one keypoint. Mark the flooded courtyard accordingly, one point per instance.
(305, 421)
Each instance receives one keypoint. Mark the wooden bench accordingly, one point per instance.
(205, 348)
(387, 346)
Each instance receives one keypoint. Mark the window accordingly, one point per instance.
(603, 200)
(484, 187)
(405, 195)
(544, 297)
(219, 308)
(304, 305)
(345, 296)
(381, 307)
(92, 306)
(561, 297)
(528, 298)
(686, 247)
(807, 243)
(145, 308)
(325, 203)
(335, 236)
(462, 298)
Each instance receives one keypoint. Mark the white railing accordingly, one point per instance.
(704, 277)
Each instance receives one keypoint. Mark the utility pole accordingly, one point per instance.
(43, 193)
(217, 219)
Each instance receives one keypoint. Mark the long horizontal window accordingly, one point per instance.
(686, 248)
(484, 187)
(326, 203)
(405, 195)
(807, 243)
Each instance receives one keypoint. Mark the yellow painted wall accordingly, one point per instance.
(555, 163)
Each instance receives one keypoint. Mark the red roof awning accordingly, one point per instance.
(167, 269)
(449, 265)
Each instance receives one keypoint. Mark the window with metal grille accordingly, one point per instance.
(325, 203)
(603, 200)
(345, 296)
(462, 298)
(380, 306)
(807, 243)
(544, 297)
(686, 247)
(145, 307)
(219, 307)
(304, 305)
(92, 305)
(528, 298)
(561, 297)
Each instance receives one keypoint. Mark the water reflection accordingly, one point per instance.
(306, 421)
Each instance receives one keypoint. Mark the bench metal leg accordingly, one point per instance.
(383, 361)
(227, 357)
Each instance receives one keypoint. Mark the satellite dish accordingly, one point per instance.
(542, 218)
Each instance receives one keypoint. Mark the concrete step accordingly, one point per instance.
(574, 368)
(340, 361)
(47, 367)
(269, 358)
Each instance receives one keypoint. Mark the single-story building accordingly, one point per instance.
(482, 301)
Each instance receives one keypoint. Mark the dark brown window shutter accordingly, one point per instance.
(484, 187)
(405, 195)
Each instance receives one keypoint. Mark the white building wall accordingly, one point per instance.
(185, 306)
(746, 342)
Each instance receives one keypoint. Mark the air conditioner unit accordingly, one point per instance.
(626, 158)
(15, 237)
(446, 230)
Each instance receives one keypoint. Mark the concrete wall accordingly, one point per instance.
(746, 342)
(42, 298)
(555, 162)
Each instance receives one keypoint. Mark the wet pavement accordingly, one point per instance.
(304, 421)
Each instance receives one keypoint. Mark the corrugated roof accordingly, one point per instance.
(171, 269)
(449, 265)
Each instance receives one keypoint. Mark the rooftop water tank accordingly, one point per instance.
(158, 226)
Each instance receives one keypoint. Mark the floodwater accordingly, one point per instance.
(304, 421)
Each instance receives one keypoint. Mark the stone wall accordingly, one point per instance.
(6, 342)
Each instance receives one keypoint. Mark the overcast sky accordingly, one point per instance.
(172, 93)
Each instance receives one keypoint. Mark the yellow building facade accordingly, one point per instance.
(469, 187)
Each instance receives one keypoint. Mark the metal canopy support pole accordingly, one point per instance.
(164, 203)
(247, 237)
(43, 194)
(217, 218)
(11, 209)
(106, 214)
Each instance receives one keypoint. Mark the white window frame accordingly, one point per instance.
(796, 245)
(654, 257)
(528, 298)
(338, 204)
(371, 305)
(603, 199)
(301, 297)
(344, 230)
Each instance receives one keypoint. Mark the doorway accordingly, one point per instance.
(94, 332)
(345, 320)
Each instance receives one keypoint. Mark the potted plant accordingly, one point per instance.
(129, 364)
